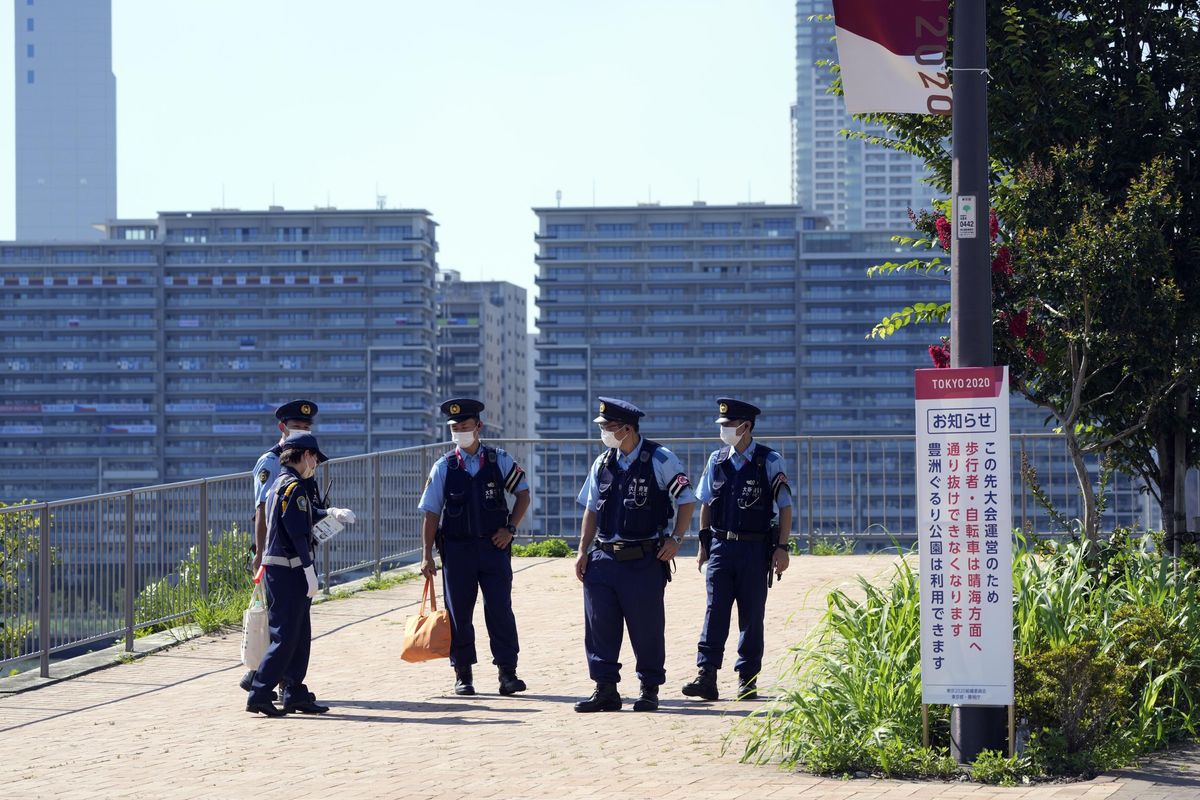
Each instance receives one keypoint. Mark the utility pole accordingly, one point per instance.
(972, 728)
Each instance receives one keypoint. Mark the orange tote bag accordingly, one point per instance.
(427, 635)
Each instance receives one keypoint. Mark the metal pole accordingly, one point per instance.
(970, 261)
(44, 590)
(204, 535)
(377, 512)
(809, 477)
(129, 572)
(970, 266)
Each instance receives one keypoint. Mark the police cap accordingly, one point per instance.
(303, 410)
(613, 410)
(461, 408)
(729, 409)
(304, 441)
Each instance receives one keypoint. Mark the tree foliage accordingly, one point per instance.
(1094, 109)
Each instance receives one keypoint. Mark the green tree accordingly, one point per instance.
(18, 556)
(1093, 111)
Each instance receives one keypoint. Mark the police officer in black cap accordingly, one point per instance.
(294, 417)
(742, 486)
(291, 580)
(467, 516)
(632, 491)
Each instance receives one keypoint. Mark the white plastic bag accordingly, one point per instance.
(256, 634)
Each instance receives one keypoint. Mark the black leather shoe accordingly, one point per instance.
(747, 688)
(605, 698)
(305, 707)
(648, 701)
(704, 685)
(509, 682)
(270, 709)
(463, 683)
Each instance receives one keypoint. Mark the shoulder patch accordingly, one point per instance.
(302, 503)
(662, 455)
(263, 474)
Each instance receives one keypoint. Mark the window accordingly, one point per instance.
(29, 51)
(29, 24)
(29, 76)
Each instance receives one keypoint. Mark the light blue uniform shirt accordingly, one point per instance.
(780, 489)
(667, 469)
(432, 499)
(265, 473)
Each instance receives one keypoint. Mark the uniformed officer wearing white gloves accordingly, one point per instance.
(291, 580)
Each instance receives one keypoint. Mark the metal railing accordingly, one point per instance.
(96, 569)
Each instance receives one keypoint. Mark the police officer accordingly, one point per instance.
(291, 580)
(632, 491)
(294, 417)
(742, 485)
(467, 516)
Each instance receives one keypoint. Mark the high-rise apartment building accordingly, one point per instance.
(667, 306)
(66, 119)
(482, 349)
(160, 353)
(672, 307)
(859, 186)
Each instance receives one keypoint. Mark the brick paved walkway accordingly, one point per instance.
(172, 725)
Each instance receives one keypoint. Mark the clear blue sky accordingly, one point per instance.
(474, 109)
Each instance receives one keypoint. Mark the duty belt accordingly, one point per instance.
(738, 536)
(280, 561)
(628, 550)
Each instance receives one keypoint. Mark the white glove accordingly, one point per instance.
(342, 515)
(310, 575)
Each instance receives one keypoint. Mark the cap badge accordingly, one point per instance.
(724, 408)
(602, 408)
(306, 409)
(454, 408)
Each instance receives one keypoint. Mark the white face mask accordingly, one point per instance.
(730, 436)
(609, 439)
(293, 431)
(463, 438)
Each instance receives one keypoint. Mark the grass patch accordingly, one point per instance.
(383, 581)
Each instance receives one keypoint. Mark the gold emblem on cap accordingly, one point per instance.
(454, 409)
(602, 408)
(724, 408)
(306, 409)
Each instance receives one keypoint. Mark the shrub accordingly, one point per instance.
(1107, 646)
(832, 546)
(178, 595)
(1075, 690)
(995, 768)
(546, 548)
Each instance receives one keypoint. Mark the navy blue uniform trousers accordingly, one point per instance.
(737, 571)
(468, 566)
(286, 659)
(620, 594)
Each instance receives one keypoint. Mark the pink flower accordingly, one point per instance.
(1017, 325)
(993, 224)
(940, 355)
(943, 232)
(1002, 262)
